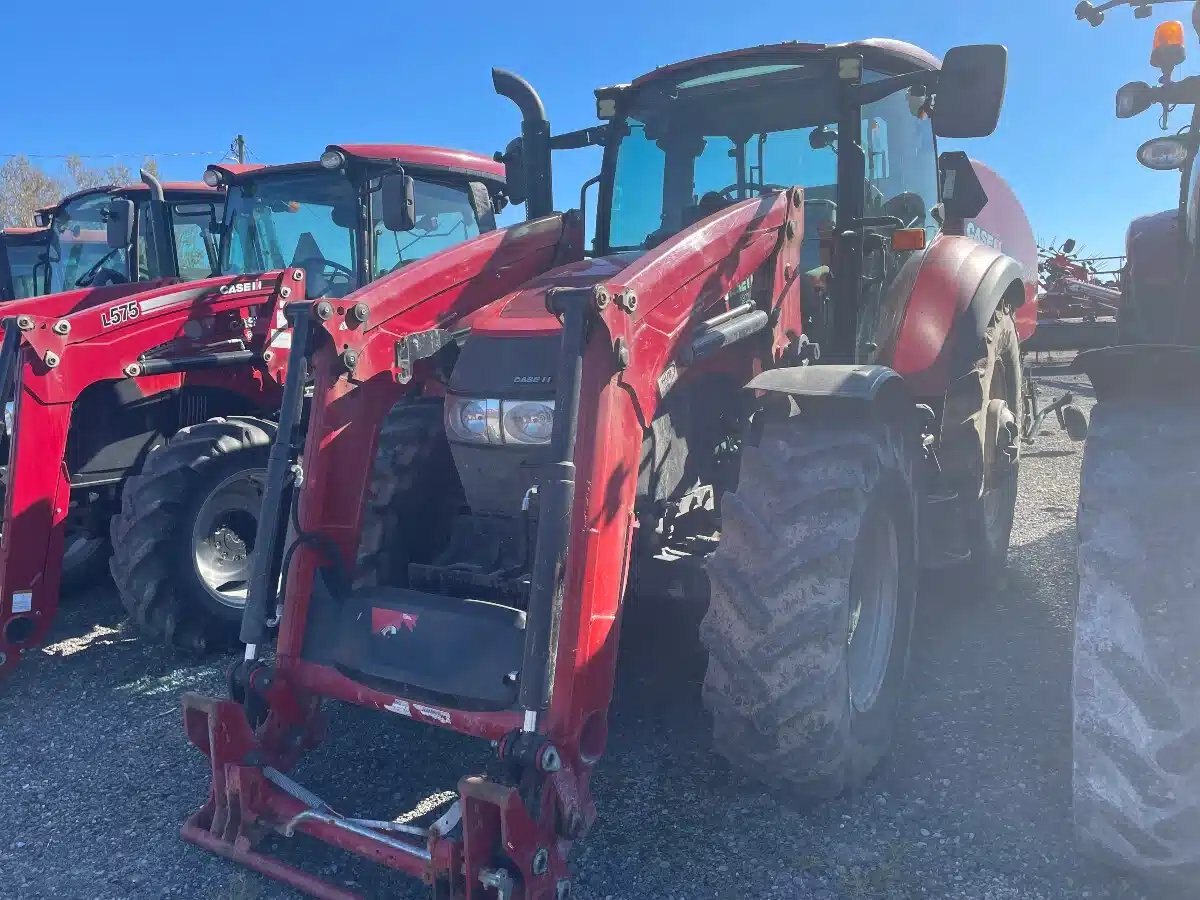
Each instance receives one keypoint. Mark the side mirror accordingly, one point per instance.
(398, 201)
(119, 219)
(41, 219)
(1164, 154)
(970, 91)
(1068, 246)
(1134, 99)
(514, 171)
(963, 197)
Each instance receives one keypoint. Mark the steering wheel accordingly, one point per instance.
(88, 278)
(760, 188)
(314, 267)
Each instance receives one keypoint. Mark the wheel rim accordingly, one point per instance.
(874, 600)
(223, 537)
(79, 548)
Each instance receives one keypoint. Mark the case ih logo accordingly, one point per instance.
(122, 312)
(975, 233)
(241, 287)
(533, 379)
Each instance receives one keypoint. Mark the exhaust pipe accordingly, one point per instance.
(535, 141)
(160, 220)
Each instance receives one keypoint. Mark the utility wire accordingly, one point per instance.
(111, 155)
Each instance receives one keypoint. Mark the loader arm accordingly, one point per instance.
(523, 824)
(219, 333)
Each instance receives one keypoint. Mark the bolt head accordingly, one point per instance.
(359, 312)
(601, 298)
(324, 310)
(285, 292)
(550, 761)
(133, 370)
(541, 862)
(62, 326)
(51, 359)
(25, 323)
(268, 356)
(297, 275)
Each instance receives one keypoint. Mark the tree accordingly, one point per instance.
(25, 187)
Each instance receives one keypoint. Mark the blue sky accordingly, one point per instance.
(295, 76)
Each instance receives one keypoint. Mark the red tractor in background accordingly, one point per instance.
(1137, 621)
(92, 247)
(783, 331)
(149, 413)
(22, 258)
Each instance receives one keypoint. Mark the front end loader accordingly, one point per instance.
(795, 329)
(1136, 687)
(149, 415)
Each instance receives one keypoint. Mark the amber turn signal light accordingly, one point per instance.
(905, 239)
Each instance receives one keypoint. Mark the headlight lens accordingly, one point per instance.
(473, 420)
(527, 421)
(520, 422)
(10, 414)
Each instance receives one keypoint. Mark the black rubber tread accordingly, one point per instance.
(151, 536)
(971, 396)
(1137, 630)
(412, 469)
(777, 624)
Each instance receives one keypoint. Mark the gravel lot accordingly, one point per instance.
(974, 802)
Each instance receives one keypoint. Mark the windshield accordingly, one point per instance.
(304, 219)
(310, 219)
(79, 244)
(690, 149)
(26, 268)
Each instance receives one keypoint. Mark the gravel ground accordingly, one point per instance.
(973, 803)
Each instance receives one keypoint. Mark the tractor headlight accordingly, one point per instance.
(519, 422)
(527, 421)
(477, 421)
(10, 415)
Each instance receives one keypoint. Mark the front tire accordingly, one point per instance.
(184, 537)
(1137, 629)
(812, 597)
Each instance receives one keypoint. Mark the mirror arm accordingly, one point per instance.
(1185, 91)
(874, 91)
(595, 136)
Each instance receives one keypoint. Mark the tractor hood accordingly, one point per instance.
(512, 351)
(524, 313)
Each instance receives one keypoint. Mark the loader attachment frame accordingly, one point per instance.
(507, 837)
(222, 333)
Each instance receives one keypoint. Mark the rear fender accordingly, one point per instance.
(957, 289)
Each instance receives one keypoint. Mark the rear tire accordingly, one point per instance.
(1137, 630)
(179, 585)
(819, 505)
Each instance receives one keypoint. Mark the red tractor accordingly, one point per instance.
(149, 414)
(1137, 621)
(22, 259)
(784, 331)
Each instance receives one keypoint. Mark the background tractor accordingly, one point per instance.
(22, 258)
(764, 341)
(1137, 627)
(153, 411)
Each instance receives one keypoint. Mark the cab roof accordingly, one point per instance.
(169, 187)
(892, 56)
(411, 156)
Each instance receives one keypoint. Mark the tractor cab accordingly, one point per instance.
(106, 235)
(360, 212)
(22, 261)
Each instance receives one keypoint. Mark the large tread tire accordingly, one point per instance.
(403, 517)
(1137, 634)
(778, 683)
(996, 375)
(152, 562)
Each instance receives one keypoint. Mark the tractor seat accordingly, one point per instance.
(457, 652)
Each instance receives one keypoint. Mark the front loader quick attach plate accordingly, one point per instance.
(467, 854)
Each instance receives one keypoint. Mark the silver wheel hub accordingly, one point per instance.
(874, 602)
(223, 536)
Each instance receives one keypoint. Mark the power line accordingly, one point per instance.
(113, 155)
